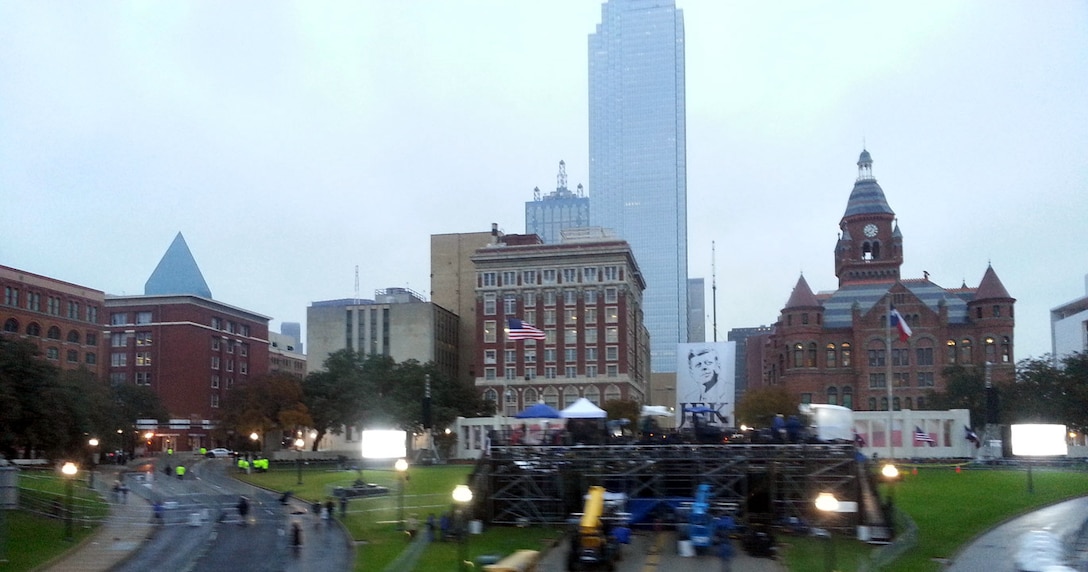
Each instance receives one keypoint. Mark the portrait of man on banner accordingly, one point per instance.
(705, 376)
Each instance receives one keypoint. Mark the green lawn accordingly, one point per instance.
(935, 499)
(32, 538)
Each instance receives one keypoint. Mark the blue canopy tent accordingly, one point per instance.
(539, 411)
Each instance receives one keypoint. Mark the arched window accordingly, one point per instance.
(551, 397)
(832, 396)
(872, 404)
(492, 396)
(848, 397)
(876, 249)
(845, 354)
(73, 336)
(1006, 350)
(965, 351)
(883, 403)
(991, 350)
(33, 329)
(951, 351)
(530, 396)
(830, 355)
(11, 325)
(921, 403)
(570, 395)
(611, 393)
(593, 395)
(53, 333)
(798, 355)
(908, 403)
(895, 403)
(511, 402)
(811, 361)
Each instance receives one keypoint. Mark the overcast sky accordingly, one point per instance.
(290, 142)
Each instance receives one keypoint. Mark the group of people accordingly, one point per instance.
(178, 471)
(260, 465)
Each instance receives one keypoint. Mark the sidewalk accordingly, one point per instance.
(123, 533)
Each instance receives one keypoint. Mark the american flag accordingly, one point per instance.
(518, 330)
(972, 436)
(922, 436)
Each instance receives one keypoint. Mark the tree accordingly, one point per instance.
(27, 385)
(263, 405)
(623, 409)
(965, 388)
(758, 407)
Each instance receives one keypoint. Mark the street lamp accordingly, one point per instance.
(402, 469)
(462, 495)
(828, 504)
(299, 444)
(93, 442)
(69, 469)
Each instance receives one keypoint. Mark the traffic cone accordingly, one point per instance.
(957, 469)
(914, 471)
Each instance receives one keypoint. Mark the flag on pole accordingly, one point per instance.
(922, 436)
(518, 330)
(972, 436)
(859, 441)
(900, 324)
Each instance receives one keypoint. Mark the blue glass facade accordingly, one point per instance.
(637, 155)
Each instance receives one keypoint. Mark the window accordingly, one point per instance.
(951, 344)
(118, 340)
(217, 323)
(33, 329)
(804, 318)
(90, 358)
(895, 404)
(511, 373)
(510, 304)
(215, 362)
(570, 371)
(900, 379)
(611, 273)
(530, 356)
(845, 355)
(230, 365)
(54, 306)
(551, 397)
(848, 397)
(243, 330)
(591, 315)
(509, 278)
(549, 355)
(570, 395)
(830, 355)
(798, 355)
(591, 353)
(143, 339)
(991, 350)
(877, 381)
(34, 301)
(965, 350)
(611, 314)
(591, 335)
(215, 401)
(811, 360)
(570, 275)
(92, 314)
(549, 276)
(530, 316)
(530, 299)
(508, 356)
(143, 358)
(590, 297)
(243, 350)
(549, 297)
(908, 403)
(570, 336)
(611, 295)
(215, 381)
(1006, 350)
(549, 317)
(570, 355)
(806, 398)
(549, 372)
(549, 336)
(230, 346)
(832, 396)
(488, 279)
(872, 404)
(924, 356)
(883, 403)
(118, 359)
(230, 383)
(900, 357)
(11, 296)
(876, 358)
(570, 316)
(611, 353)
(611, 334)
(570, 297)
(118, 377)
(489, 356)
(72, 356)
(73, 310)
(530, 396)
(243, 367)
(589, 274)
(591, 371)
(925, 379)
(53, 333)
(490, 331)
(489, 373)
(143, 317)
(528, 277)
(489, 304)
(593, 395)
(997, 311)
(612, 370)
(143, 378)
(73, 337)
(118, 319)
(11, 325)
(921, 403)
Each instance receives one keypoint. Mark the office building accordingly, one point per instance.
(638, 156)
(1069, 327)
(546, 216)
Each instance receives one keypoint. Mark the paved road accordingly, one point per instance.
(995, 551)
(202, 529)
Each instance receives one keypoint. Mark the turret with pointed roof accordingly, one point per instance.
(177, 273)
(870, 245)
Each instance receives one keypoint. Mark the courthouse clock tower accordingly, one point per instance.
(870, 246)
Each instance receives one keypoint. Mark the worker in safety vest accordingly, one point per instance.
(180, 472)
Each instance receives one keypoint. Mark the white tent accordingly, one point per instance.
(583, 409)
(656, 411)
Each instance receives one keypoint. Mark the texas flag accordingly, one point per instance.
(900, 324)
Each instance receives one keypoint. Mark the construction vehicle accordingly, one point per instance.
(595, 545)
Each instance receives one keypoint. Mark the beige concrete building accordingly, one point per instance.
(453, 286)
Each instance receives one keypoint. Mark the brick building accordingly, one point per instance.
(64, 320)
(838, 347)
(585, 295)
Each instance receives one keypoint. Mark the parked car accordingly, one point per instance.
(360, 489)
(219, 452)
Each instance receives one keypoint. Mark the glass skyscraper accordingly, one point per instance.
(638, 155)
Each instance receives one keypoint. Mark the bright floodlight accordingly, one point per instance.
(827, 502)
(890, 471)
(299, 443)
(93, 442)
(462, 494)
(383, 444)
(69, 468)
(401, 465)
(254, 436)
(1039, 440)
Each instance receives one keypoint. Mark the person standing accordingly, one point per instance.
(180, 471)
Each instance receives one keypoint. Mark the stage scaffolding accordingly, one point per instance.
(759, 483)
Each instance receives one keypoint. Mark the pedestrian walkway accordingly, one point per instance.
(122, 534)
(995, 550)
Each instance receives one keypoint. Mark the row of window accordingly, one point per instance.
(11, 326)
(848, 400)
(551, 396)
(590, 334)
(53, 305)
(532, 277)
(612, 353)
(552, 372)
(120, 378)
(71, 356)
(230, 345)
(900, 379)
(590, 297)
(805, 355)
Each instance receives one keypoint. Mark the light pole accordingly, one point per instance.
(69, 469)
(402, 469)
(462, 495)
(93, 442)
(828, 504)
(299, 444)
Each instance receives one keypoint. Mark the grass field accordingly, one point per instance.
(36, 534)
(935, 498)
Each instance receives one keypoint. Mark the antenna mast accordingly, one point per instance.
(714, 288)
(561, 178)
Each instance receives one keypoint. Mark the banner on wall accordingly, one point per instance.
(706, 378)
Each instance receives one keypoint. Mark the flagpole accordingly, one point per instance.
(888, 381)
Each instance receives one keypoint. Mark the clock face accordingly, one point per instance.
(870, 230)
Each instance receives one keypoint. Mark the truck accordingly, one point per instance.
(595, 544)
(829, 423)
